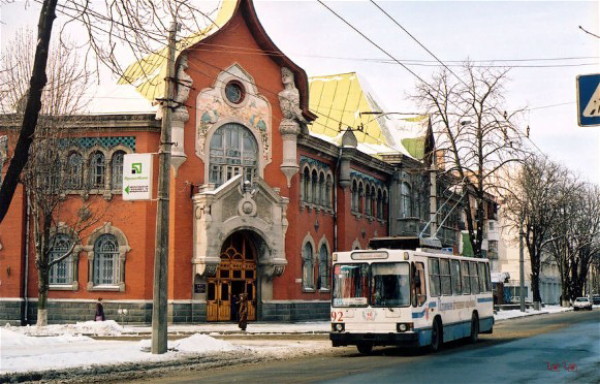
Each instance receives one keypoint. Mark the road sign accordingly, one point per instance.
(137, 176)
(588, 100)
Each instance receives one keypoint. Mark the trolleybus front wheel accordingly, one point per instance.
(436, 336)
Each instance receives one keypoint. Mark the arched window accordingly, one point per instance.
(324, 270)
(233, 151)
(117, 170)
(74, 171)
(306, 185)
(369, 202)
(322, 190)
(308, 271)
(405, 205)
(106, 261)
(60, 273)
(379, 205)
(328, 191)
(96, 170)
(354, 202)
(315, 187)
(361, 194)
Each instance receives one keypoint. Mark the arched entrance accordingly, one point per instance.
(235, 275)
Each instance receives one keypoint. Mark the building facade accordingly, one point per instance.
(271, 173)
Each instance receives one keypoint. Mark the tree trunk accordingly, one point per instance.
(32, 109)
(42, 311)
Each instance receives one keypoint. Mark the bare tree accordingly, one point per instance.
(532, 204)
(110, 24)
(46, 176)
(576, 238)
(474, 134)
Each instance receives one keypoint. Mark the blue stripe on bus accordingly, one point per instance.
(432, 304)
(418, 315)
(485, 300)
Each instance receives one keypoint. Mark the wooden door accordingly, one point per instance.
(236, 275)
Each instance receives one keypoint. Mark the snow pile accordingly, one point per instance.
(10, 338)
(94, 328)
(203, 343)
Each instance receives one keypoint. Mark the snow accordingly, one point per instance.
(62, 346)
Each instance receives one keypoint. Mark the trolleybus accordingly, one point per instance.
(414, 298)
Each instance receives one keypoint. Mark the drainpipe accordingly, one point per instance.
(24, 319)
(335, 202)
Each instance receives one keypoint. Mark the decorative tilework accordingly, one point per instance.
(364, 177)
(105, 142)
(311, 161)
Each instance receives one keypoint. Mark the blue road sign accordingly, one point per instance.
(588, 100)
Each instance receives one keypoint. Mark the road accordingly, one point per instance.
(555, 348)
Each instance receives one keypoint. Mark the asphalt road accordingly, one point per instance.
(556, 348)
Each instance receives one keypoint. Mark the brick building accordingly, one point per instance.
(272, 172)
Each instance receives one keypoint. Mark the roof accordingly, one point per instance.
(343, 100)
(148, 73)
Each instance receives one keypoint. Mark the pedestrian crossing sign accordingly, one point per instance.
(588, 100)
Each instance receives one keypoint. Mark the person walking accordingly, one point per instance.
(99, 311)
(234, 308)
(243, 312)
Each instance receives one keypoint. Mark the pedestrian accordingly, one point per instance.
(234, 308)
(99, 311)
(243, 312)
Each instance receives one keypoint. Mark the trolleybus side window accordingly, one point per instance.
(474, 279)
(390, 285)
(465, 275)
(434, 277)
(482, 277)
(456, 277)
(488, 279)
(445, 277)
(350, 285)
(418, 285)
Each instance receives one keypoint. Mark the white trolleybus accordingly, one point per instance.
(415, 297)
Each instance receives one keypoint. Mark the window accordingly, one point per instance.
(328, 186)
(361, 194)
(106, 261)
(354, 202)
(322, 190)
(308, 272)
(474, 277)
(389, 285)
(323, 282)
(465, 277)
(379, 205)
(117, 170)
(306, 187)
(96, 170)
(405, 210)
(74, 171)
(60, 273)
(350, 285)
(418, 285)
(315, 188)
(482, 277)
(369, 202)
(445, 277)
(233, 151)
(456, 277)
(434, 277)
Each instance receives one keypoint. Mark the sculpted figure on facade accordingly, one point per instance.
(289, 99)
(184, 84)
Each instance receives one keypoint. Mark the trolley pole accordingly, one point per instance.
(161, 254)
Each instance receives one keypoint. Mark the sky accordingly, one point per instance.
(540, 40)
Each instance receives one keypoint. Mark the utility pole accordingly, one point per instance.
(161, 254)
(521, 266)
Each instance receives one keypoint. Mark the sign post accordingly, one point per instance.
(588, 100)
(137, 176)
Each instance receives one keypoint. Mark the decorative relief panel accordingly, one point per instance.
(234, 98)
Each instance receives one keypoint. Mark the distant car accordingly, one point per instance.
(596, 300)
(582, 303)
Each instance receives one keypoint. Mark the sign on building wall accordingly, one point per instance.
(137, 176)
(588, 100)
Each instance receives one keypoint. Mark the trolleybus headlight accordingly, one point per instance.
(403, 327)
(338, 327)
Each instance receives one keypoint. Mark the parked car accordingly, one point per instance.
(596, 299)
(582, 303)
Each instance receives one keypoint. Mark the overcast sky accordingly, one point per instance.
(540, 39)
